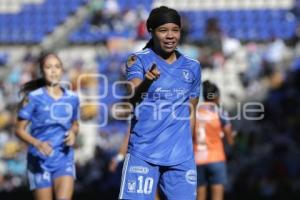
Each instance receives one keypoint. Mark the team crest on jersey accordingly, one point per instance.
(131, 186)
(187, 75)
(131, 60)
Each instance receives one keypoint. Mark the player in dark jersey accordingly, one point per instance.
(52, 113)
(166, 87)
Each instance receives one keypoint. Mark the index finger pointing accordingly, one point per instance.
(153, 67)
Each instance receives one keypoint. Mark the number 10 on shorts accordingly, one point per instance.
(145, 186)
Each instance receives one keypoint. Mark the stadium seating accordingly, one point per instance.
(259, 24)
(263, 24)
(34, 21)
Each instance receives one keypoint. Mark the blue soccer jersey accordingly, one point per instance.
(160, 129)
(50, 121)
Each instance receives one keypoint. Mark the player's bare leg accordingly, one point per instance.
(201, 193)
(157, 194)
(43, 194)
(217, 192)
(63, 187)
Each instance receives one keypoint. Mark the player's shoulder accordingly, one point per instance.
(35, 93)
(190, 60)
(141, 54)
(192, 64)
(71, 93)
(137, 57)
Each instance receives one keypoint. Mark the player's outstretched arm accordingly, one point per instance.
(142, 86)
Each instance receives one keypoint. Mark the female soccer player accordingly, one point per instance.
(208, 144)
(165, 92)
(52, 112)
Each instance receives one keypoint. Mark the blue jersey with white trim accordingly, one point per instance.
(160, 128)
(50, 121)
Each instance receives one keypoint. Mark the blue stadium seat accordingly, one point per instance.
(36, 19)
(259, 24)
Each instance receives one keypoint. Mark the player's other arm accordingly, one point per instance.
(72, 133)
(25, 111)
(194, 97)
(193, 108)
(70, 138)
(228, 133)
(227, 128)
(21, 133)
(124, 145)
(121, 154)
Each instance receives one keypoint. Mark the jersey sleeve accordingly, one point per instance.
(134, 68)
(27, 108)
(76, 109)
(195, 90)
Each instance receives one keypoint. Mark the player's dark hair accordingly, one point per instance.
(159, 16)
(149, 44)
(39, 82)
(210, 91)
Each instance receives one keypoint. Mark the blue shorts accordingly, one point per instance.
(140, 180)
(41, 178)
(212, 173)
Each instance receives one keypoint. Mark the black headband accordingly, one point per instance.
(162, 15)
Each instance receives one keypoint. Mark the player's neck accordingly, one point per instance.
(54, 91)
(168, 57)
(171, 58)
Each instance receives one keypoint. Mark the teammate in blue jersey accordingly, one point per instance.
(165, 88)
(52, 113)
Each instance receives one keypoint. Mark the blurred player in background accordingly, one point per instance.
(211, 123)
(166, 87)
(53, 114)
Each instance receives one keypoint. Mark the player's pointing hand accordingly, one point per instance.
(153, 73)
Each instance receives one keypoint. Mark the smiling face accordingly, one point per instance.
(166, 37)
(52, 70)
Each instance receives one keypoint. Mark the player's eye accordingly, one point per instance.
(162, 30)
(58, 66)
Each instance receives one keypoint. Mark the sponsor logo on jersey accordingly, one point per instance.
(160, 89)
(138, 170)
